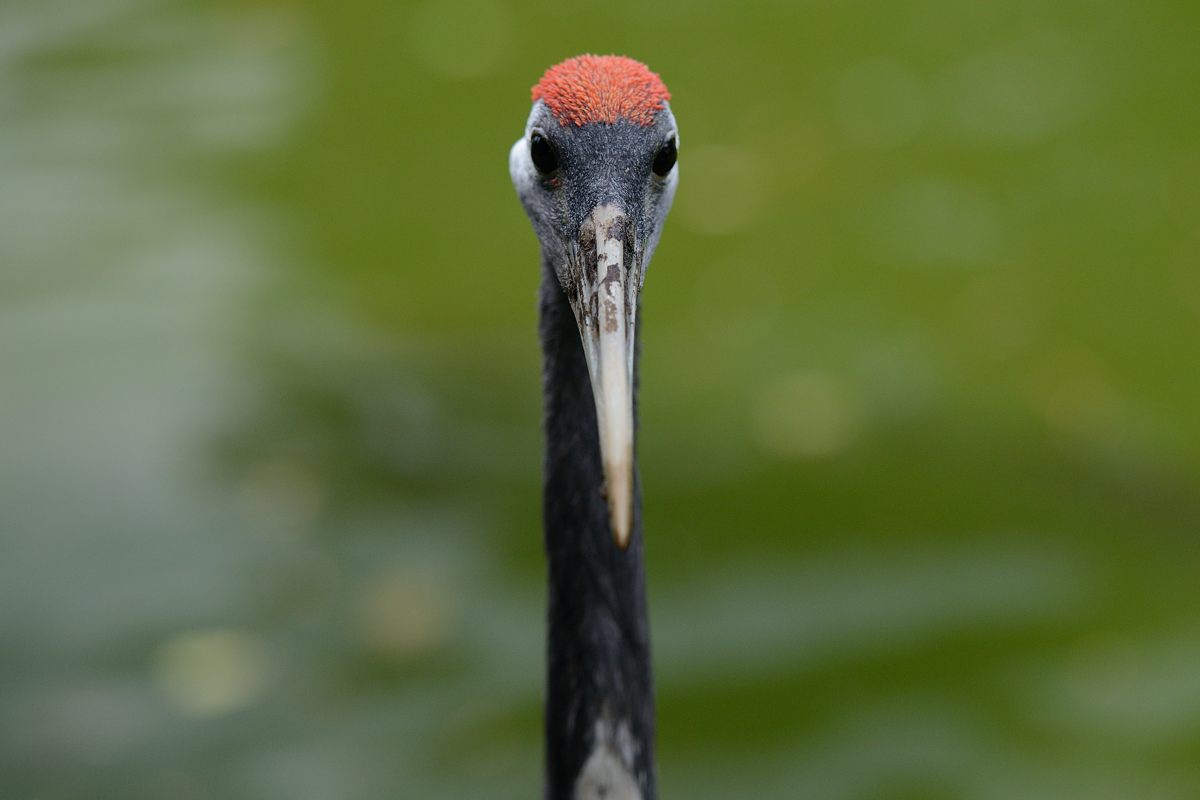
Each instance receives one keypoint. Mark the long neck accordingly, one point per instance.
(600, 697)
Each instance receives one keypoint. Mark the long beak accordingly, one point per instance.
(605, 313)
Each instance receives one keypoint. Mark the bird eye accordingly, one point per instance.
(543, 154)
(665, 160)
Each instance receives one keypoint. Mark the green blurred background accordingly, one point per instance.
(919, 441)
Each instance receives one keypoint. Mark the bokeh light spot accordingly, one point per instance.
(1020, 91)
(881, 103)
(210, 672)
(403, 615)
(936, 222)
(281, 495)
(806, 415)
(725, 188)
(1076, 395)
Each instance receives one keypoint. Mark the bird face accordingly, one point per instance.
(596, 174)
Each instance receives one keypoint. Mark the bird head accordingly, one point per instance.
(596, 173)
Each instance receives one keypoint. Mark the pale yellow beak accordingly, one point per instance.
(605, 313)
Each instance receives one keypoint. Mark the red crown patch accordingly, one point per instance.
(588, 89)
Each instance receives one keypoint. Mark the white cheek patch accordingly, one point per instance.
(520, 166)
(669, 191)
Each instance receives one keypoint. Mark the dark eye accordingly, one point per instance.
(543, 154)
(666, 158)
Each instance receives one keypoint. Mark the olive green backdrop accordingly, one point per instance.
(919, 442)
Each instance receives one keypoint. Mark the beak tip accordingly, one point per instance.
(620, 508)
(621, 533)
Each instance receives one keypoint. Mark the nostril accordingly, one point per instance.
(633, 256)
(618, 227)
(587, 248)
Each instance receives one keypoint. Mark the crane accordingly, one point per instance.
(596, 172)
